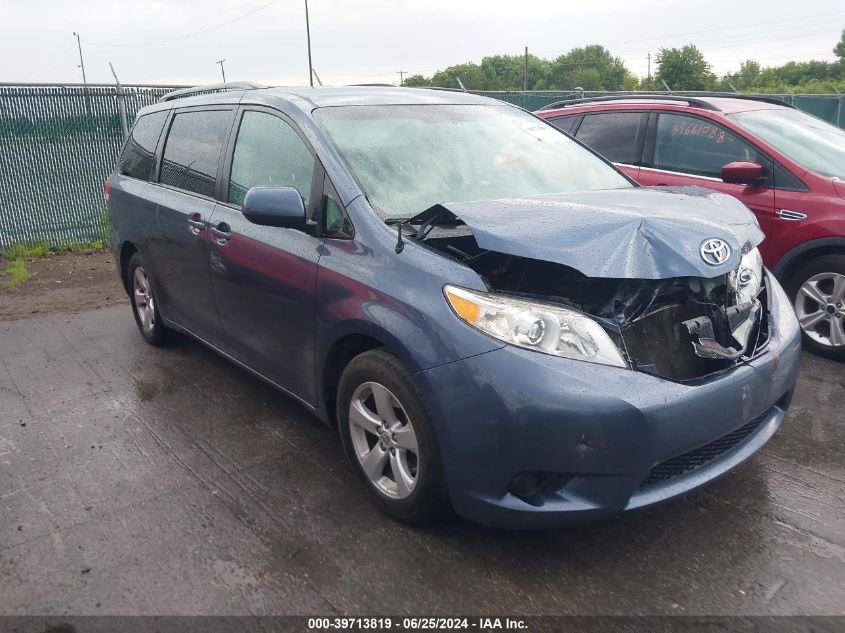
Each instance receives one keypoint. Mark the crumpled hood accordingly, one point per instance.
(637, 233)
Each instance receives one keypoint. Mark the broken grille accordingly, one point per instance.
(697, 458)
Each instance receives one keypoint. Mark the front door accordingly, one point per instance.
(264, 278)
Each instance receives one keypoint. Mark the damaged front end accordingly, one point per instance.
(679, 327)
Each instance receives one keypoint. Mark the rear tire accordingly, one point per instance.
(144, 305)
(388, 436)
(817, 290)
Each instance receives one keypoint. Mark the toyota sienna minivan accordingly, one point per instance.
(493, 316)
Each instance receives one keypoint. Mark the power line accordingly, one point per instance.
(187, 35)
(50, 63)
(721, 29)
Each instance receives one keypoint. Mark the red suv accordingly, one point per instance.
(788, 167)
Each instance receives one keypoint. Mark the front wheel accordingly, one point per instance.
(817, 289)
(388, 436)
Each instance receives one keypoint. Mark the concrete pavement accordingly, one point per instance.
(136, 480)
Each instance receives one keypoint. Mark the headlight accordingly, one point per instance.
(747, 279)
(536, 326)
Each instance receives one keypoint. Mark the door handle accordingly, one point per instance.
(195, 223)
(222, 233)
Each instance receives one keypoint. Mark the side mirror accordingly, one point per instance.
(743, 173)
(275, 206)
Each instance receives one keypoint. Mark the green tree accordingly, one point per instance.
(507, 72)
(745, 79)
(471, 76)
(839, 49)
(684, 69)
(592, 67)
(416, 80)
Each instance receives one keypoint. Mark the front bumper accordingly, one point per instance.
(604, 429)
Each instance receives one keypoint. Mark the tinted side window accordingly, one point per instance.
(612, 134)
(695, 146)
(565, 123)
(268, 152)
(138, 156)
(192, 151)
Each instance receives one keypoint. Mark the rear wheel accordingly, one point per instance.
(389, 438)
(817, 289)
(144, 306)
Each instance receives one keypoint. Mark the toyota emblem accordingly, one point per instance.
(715, 251)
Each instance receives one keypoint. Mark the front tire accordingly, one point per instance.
(144, 305)
(817, 290)
(388, 436)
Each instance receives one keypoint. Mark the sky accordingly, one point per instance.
(369, 41)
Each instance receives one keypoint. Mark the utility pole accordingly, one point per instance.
(308, 34)
(401, 74)
(81, 63)
(222, 70)
(84, 79)
(649, 71)
(525, 73)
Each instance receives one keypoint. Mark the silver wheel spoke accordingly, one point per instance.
(374, 461)
(809, 320)
(404, 480)
(405, 438)
(384, 405)
(838, 293)
(837, 332)
(362, 417)
(811, 289)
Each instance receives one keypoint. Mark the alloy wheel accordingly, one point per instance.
(384, 440)
(144, 302)
(820, 308)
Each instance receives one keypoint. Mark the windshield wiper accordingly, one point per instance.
(435, 215)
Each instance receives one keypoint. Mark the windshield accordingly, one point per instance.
(410, 157)
(810, 142)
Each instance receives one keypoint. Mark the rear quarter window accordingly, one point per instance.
(613, 135)
(138, 157)
(565, 123)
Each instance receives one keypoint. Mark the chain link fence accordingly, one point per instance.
(57, 146)
(58, 143)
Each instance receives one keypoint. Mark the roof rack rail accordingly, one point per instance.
(637, 97)
(697, 101)
(232, 85)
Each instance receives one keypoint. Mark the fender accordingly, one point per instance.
(792, 256)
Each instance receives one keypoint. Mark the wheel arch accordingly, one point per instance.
(803, 253)
(354, 339)
(127, 250)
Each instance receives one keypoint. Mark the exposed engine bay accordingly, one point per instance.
(679, 328)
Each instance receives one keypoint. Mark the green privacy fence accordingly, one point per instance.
(57, 146)
(831, 108)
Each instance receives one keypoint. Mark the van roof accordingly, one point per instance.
(324, 96)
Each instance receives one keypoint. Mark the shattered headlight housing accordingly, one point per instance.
(536, 326)
(747, 280)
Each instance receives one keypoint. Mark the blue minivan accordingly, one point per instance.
(493, 316)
